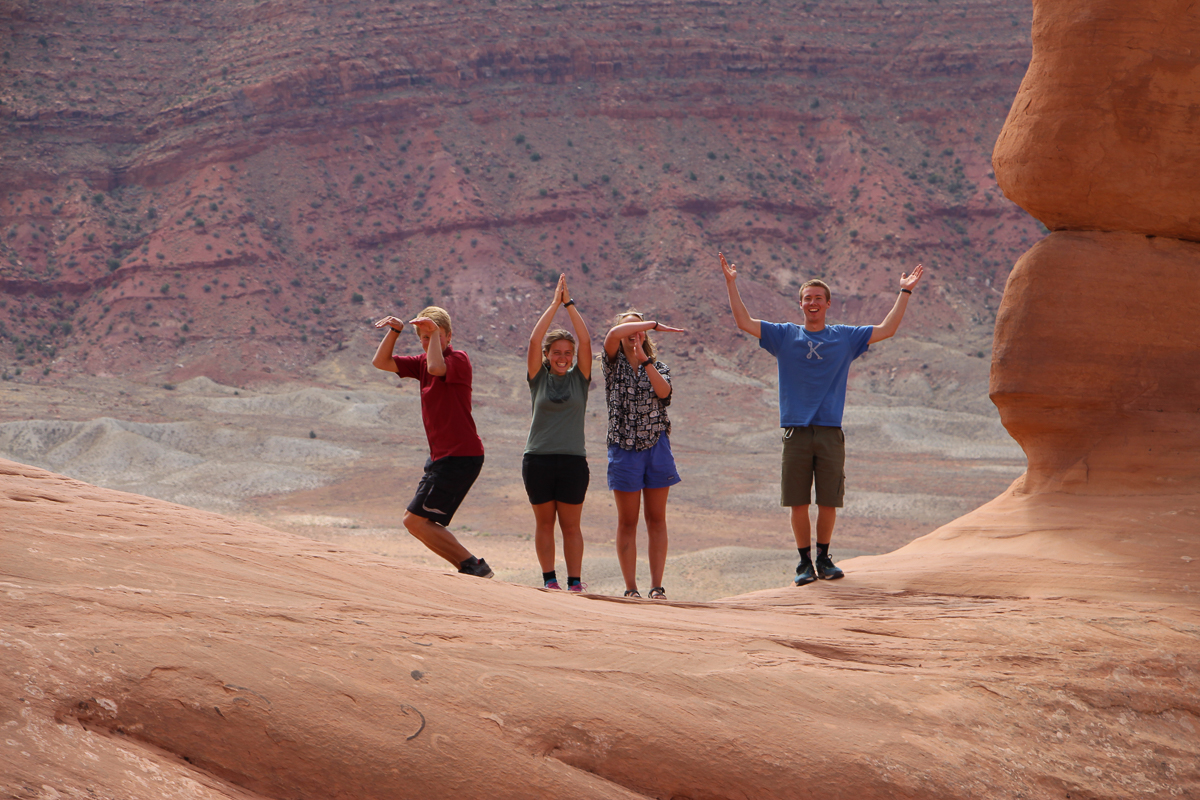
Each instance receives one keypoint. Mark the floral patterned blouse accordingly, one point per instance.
(636, 415)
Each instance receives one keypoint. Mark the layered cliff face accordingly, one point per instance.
(240, 186)
(1096, 368)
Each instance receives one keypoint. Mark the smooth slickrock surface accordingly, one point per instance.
(1102, 134)
(150, 651)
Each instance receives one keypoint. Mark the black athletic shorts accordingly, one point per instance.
(561, 478)
(444, 485)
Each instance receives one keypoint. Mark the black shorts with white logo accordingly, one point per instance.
(443, 487)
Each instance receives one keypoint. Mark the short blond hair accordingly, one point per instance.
(440, 317)
(815, 282)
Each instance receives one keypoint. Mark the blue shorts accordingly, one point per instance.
(634, 470)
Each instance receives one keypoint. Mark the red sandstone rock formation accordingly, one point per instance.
(1096, 368)
(150, 650)
(1102, 134)
(1096, 365)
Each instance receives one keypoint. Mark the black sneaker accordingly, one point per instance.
(804, 573)
(826, 571)
(477, 567)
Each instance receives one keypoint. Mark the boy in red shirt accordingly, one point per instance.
(455, 449)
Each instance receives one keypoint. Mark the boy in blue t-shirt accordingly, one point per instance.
(814, 362)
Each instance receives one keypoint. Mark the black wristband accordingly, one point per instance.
(568, 304)
(655, 326)
(906, 291)
(647, 361)
(397, 330)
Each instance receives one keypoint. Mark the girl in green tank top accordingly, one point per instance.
(554, 467)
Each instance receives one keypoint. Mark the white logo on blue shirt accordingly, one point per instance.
(812, 350)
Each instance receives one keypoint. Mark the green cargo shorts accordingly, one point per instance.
(815, 451)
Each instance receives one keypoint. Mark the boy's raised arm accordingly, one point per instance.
(434, 361)
(891, 323)
(383, 353)
(740, 315)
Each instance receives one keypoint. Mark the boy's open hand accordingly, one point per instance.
(424, 325)
(390, 322)
(909, 281)
(730, 270)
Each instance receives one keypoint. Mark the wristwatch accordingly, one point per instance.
(647, 361)
(568, 304)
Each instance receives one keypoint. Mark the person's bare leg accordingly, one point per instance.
(826, 518)
(543, 534)
(802, 526)
(436, 537)
(569, 515)
(628, 509)
(655, 510)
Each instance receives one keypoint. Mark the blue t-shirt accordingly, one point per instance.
(813, 368)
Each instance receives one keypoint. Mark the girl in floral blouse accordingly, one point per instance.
(640, 464)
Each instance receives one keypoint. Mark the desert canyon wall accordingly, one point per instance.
(233, 189)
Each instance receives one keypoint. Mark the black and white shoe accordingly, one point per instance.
(477, 567)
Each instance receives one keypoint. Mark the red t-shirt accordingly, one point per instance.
(445, 404)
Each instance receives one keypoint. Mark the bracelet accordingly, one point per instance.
(397, 330)
(906, 291)
(568, 304)
(647, 361)
(655, 326)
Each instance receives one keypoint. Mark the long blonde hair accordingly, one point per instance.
(647, 346)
